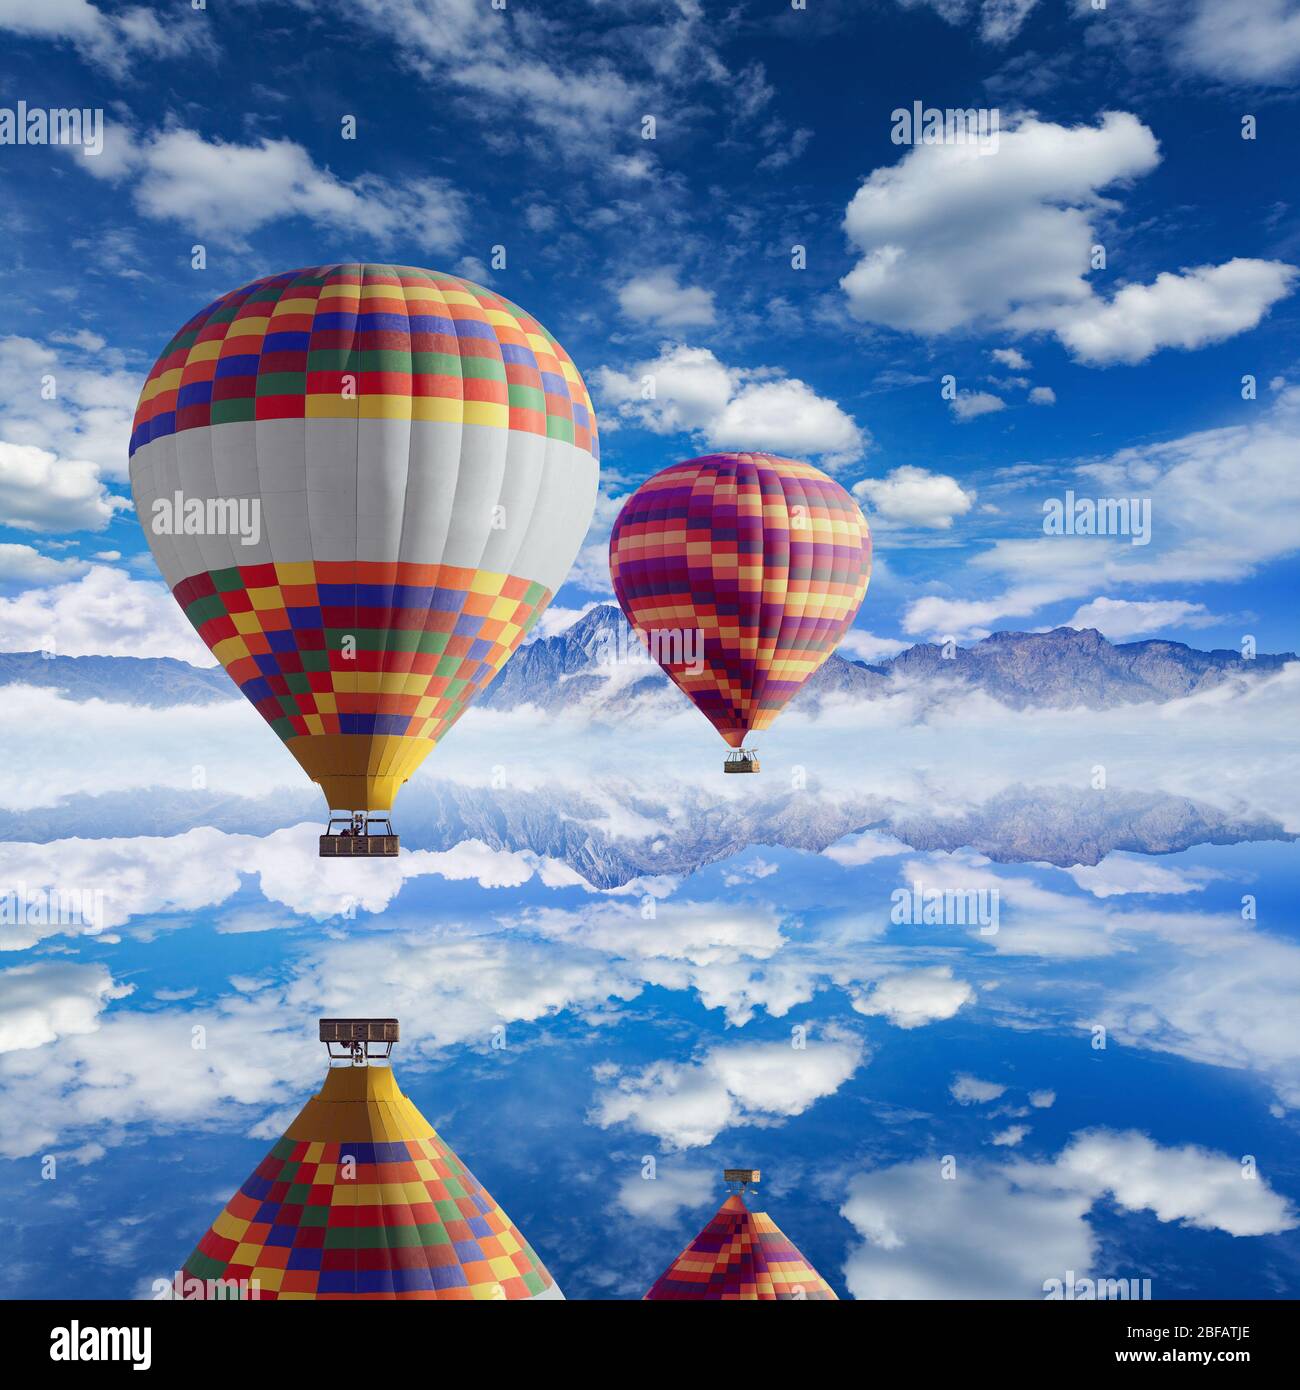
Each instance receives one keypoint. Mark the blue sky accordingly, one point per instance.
(670, 1034)
(477, 128)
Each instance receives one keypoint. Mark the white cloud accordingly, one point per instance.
(1010, 1137)
(731, 407)
(1230, 1003)
(999, 20)
(970, 1090)
(912, 998)
(657, 299)
(1042, 395)
(930, 1236)
(555, 620)
(104, 613)
(1223, 503)
(1255, 44)
(658, 1200)
(40, 492)
(970, 405)
(951, 239)
(52, 999)
(151, 876)
(858, 644)
(1011, 357)
(1258, 43)
(933, 1233)
(914, 496)
(578, 90)
(22, 564)
(1188, 1184)
(686, 1105)
(701, 933)
(1120, 619)
(1203, 305)
(114, 41)
(1042, 1100)
(862, 848)
(227, 190)
(75, 402)
(1119, 874)
(750, 872)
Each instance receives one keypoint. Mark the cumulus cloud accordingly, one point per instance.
(659, 1200)
(1186, 310)
(1042, 395)
(912, 998)
(863, 847)
(74, 401)
(202, 868)
(1011, 357)
(952, 240)
(930, 1236)
(657, 299)
(858, 644)
(24, 565)
(686, 1105)
(970, 405)
(970, 1090)
(1120, 619)
(40, 492)
(911, 496)
(949, 238)
(688, 390)
(1119, 874)
(103, 613)
(1188, 1184)
(1010, 1137)
(52, 999)
(933, 1232)
(228, 190)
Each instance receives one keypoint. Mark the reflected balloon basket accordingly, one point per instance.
(357, 835)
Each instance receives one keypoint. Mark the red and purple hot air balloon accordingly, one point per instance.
(741, 572)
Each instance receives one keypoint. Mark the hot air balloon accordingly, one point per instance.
(362, 1199)
(363, 484)
(741, 573)
(741, 1254)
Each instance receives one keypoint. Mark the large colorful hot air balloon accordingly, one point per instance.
(363, 484)
(742, 572)
(362, 1199)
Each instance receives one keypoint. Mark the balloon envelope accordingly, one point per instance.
(763, 560)
(363, 484)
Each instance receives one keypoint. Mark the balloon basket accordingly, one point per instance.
(359, 836)
(741, 760)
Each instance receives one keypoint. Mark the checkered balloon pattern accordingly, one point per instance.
(423, 454)
(741, 1255)
(361, 1199)
(765, 558)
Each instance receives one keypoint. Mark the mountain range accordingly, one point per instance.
(598, 666)
(1055, 825)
